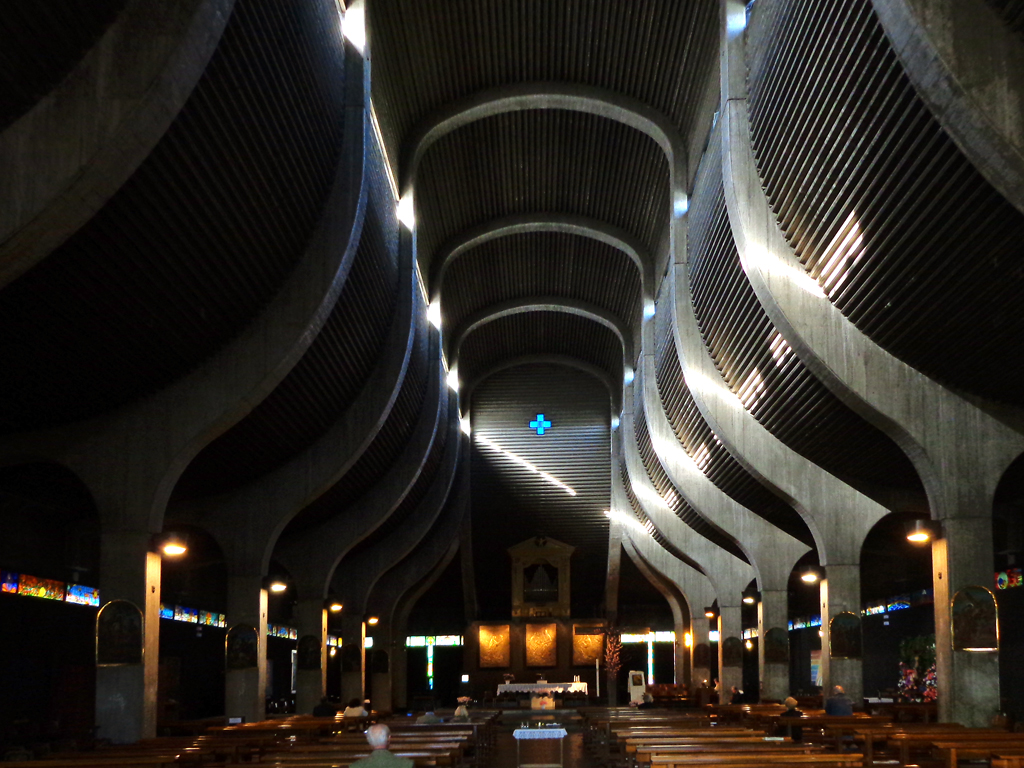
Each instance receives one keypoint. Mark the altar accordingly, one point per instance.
(542, 689)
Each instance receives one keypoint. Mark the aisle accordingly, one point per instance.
(539, 751)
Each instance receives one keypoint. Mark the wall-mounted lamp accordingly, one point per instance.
(275, 583)
(170, 544)
(923, 531)
(334, 606)
(710, 612)
(810, 575)
(751, 596)
(372, 620)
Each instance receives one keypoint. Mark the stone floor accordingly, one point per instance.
(539, 751)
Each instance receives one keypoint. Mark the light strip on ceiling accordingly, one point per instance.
(525, 464)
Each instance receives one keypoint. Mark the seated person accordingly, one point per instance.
(839, 703)
(784, 729)
(428, 718)
(379, 738)
(647, 703)
(354, 709)
(325, 709)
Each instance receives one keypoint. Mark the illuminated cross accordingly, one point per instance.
(540, 424)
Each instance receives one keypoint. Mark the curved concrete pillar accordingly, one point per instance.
(680, 619)
(959, 449)
(91, 132)
(528, 96)
(729, 574)
(696, 588)
(361, 572)
(968, 67)
(316, 553)
(582, 226)
(542, 304)
(248, 521)
(772, 552)
(433, 554)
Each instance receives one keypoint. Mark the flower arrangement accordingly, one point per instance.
(917, 669)
(509, 677)
(464, 700)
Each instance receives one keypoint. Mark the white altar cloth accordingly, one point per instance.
(544, 688)
(539, 733)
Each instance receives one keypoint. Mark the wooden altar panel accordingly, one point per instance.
(494, 645)
(541, 645)
(586, 647)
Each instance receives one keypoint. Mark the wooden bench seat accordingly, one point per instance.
(755, 759)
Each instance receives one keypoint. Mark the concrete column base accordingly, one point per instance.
(126, 695)
(730, 626)
(245, 693)
(968, 681)
(382, 695)
(399, 678)
(311, 684)
(772, 613)
(840, 592)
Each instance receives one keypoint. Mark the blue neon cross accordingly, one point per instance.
(540, 424)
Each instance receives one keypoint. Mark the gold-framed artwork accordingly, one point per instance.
(541, 645)
(495, 646)
(587, 644)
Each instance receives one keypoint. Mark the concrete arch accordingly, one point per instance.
(530, 96)
(542, 304)
(112, 109)
(969, 70)
(506, 226)
(614, 393)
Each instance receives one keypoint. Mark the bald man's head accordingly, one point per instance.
(378, 736)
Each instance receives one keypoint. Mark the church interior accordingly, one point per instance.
(520, 354)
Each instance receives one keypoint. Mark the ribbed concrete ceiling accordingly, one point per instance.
(541, 264)
(541, 161)
(913, 245)
(428, 55)
(200, 237)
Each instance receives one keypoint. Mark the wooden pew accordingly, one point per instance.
(925, 740)
(758, 758)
